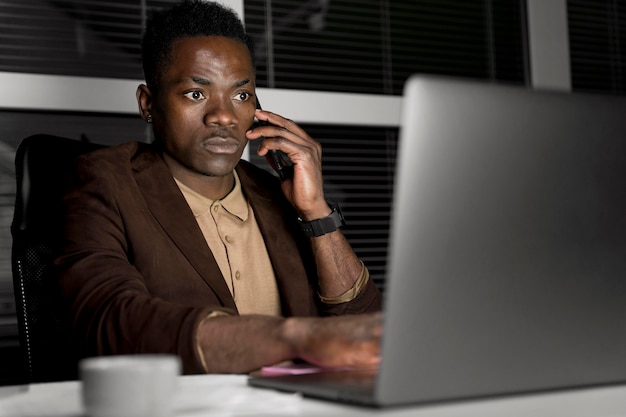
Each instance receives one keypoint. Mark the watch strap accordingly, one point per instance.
(328, 224)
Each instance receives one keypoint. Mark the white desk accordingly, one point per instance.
(228, 395)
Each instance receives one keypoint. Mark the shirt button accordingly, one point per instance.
(216, 208)
(229, 239)
(237, 275)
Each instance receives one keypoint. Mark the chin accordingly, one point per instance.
(218, 170)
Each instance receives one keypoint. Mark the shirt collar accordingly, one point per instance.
(234, 202)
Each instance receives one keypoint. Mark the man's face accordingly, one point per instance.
(205, 103)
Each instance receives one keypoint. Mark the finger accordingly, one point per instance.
(304, 154)
(279, 132)
(286, 127)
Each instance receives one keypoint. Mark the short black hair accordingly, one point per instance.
(189, 18)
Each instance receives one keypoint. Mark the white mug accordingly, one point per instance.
(140, 385)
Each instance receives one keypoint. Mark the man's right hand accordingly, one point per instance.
(352, 340)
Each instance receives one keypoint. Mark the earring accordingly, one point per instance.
(149, 118)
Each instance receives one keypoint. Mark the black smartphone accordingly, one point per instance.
(279, 161)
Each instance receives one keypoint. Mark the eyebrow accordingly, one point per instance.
(204, 81)
(242, 83)
(199, 80)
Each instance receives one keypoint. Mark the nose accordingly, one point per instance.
(220, 111)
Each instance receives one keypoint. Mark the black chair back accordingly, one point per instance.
(42, 163)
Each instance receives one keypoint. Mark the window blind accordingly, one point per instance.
(95, 38)
(368, 46)
(372, 46)
(597, 32)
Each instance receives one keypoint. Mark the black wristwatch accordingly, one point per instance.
(324, 225)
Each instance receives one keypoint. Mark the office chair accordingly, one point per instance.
(42, 163)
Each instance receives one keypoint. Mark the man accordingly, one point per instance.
(181, 247)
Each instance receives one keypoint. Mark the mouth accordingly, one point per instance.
(221, 145)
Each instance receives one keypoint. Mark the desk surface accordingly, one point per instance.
(229, 395)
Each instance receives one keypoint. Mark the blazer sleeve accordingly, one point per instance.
(369, 300)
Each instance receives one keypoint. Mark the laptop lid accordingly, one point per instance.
(507, 257)
(507, 248)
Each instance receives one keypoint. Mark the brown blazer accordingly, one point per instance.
(136, 273)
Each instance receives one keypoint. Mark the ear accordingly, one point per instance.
(144, 101)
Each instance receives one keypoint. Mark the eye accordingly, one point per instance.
(195, 95)
(242, 96)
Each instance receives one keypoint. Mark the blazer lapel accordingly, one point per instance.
(168, 206)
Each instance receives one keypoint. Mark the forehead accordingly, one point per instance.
(208, 54)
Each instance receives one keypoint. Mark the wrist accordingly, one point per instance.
(319, 212)
(293, 335)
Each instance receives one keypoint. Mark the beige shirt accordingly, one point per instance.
(232, 233)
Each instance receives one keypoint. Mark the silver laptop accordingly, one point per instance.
(507, 258)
